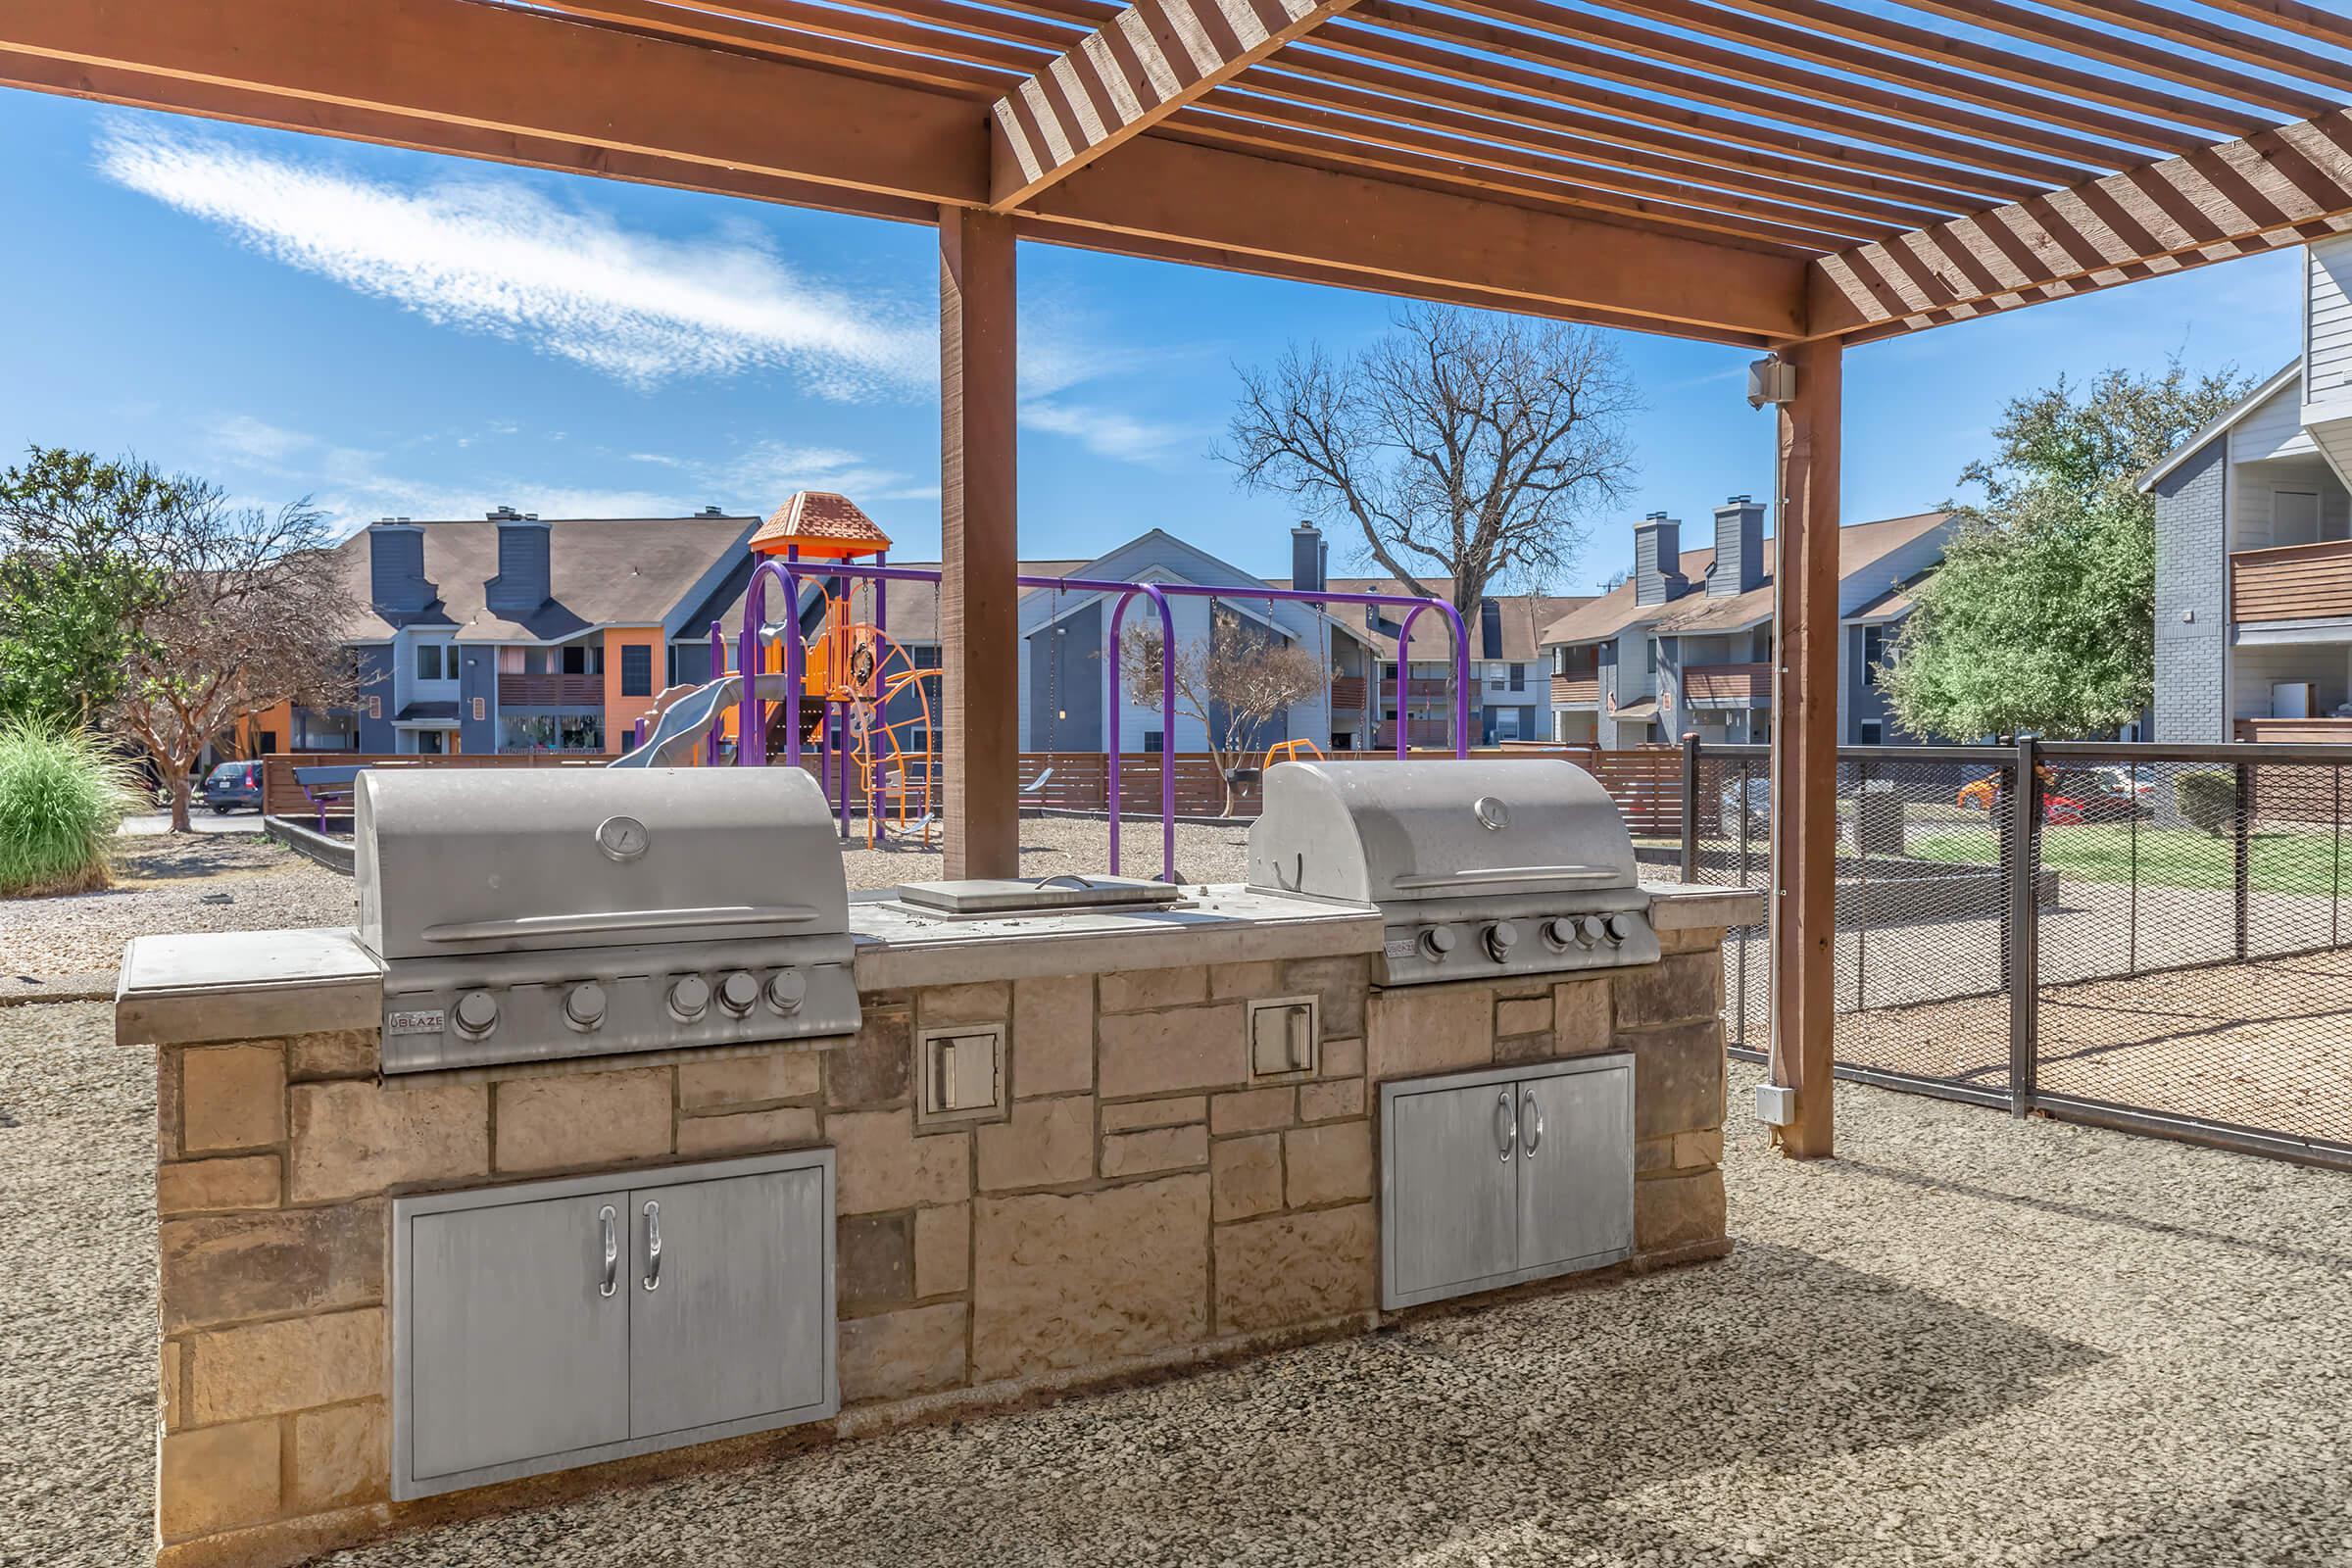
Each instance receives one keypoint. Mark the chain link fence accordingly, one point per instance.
(2177, 916)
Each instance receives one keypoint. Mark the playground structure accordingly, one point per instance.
(853, 670)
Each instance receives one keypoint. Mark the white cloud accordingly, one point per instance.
(242, 438)
(774, 470)
(1109, 433)
(499, 257)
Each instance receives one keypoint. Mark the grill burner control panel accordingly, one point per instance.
(1529, 943)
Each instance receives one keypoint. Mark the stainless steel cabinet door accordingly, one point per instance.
(515, 1350)
(728, 1316)
(1575, 1167)
(1452, 1187)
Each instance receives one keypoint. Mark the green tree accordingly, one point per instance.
(2041, 618)
(74, 579)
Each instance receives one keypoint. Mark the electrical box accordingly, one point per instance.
(963, 1071)
(1283, 1035)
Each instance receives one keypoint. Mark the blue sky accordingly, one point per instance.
(395, 333)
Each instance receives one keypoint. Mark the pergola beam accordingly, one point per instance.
(2278, 187)
(1128, 75)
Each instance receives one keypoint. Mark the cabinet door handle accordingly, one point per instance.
(1530, 1137)
(652, 1245)
(1506, 1126)
(610, 1221)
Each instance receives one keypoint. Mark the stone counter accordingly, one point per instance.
(1141, 1200)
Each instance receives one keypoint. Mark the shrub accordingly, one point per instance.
(62, 797)
(2207, 800)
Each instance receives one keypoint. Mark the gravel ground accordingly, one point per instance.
(1051, 845)
(1967, 1342)
(210, 882)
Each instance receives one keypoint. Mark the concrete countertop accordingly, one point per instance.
(1689, 907)
(246, 984)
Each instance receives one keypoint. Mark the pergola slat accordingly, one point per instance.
(2293, 16)
(2197, 34)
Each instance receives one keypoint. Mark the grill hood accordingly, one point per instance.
(1391, 833)
(451, 863)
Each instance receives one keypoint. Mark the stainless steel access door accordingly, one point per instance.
(729, 1319)
(525, 1356)
(1450, 1189)
(1576, 1170)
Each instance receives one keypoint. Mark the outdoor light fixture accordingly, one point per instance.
(1771, 380)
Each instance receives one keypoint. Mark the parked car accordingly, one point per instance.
(231, 785)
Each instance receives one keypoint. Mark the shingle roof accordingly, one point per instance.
(602, 571)
(913, 607)
(820, 514)
(1524, 616)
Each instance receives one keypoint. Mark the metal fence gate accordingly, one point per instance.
(2177, 913)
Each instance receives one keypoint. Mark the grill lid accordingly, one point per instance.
(455, 861)
(1400, 832)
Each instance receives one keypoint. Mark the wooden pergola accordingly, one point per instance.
(1793, 175)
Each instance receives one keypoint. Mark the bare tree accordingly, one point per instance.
(1461, 444)
(1234, 681)
(248, 611)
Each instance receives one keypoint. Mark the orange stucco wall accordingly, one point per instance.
(622, 713)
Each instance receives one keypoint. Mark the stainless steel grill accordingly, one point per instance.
(1482, 868)
(573, 912)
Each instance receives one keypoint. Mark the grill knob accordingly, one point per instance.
(1561, 932)
(1593, 933)
(1618, 927)
(1436, 942)
(737, 991)
(1501, 937)
(585, 1005)
(478, 1014)
(689, 995)
(786, 989)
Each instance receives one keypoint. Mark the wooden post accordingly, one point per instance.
(978, 599)
(1805, 748)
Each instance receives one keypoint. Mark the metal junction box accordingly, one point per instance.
(1495, 1177)
(556, 1324)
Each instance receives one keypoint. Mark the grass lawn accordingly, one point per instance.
(2167, 856)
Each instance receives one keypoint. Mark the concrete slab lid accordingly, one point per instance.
(1683, 906)
(990, 895)
(241, 960)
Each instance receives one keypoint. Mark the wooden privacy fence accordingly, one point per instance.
(1646, 783)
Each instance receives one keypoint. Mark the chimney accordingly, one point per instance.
(1658, 560)
(1309, 555)
(1490, 628)
(521, 584)
(396, 585)
(1738, 548)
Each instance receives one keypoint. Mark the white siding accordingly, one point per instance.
(2328, 324)
(2329, 666)
(2272, 429)
(2253, 485)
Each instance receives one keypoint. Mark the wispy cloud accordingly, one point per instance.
(1109, 432)
(242, 438)
(774, 470)
(498, 257)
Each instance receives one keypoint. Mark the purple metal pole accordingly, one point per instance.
(718, 672)
(1168, 731)
(1462, 676)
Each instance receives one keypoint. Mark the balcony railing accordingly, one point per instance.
(1569, 689)
(2296, 732)
(1741, 685)
(551, 691)
(1347, 693)
(2293, 582)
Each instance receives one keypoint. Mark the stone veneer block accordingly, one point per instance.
(1161, 1052)
(341, 1457)
(218, 1477)
(166, 1105)
(1342, 983)
(916, 1351)
(1073, 1280)
(1328, 1165)
(1137, 1114)
(877, 1067)
(1678, 1210)
(1135, 990)
(746, 1131)
(1053, 1036)
(1697, 938)
(981, 1002)
(232, 1097)
(1695, 1150)
(1677, 1078)
(880, 1163)
(943, 1250)
(1580, 1017)
(748, 1080)
(173, 1419)
(874, 1260)
(1413, 1029)
(194, 1186)
(1525, 1016)
(337, 1054)
(222, 1268)
(1161, 1148)
(1261, 978)
(354, 1138)
(1250, 1110)
(1293, 1269)
(1687, 986)
(258, 1369)
(1244, 1176)
(1043, 1142)
(601, 1118)
(1342, 1058)
(1328, 1101)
